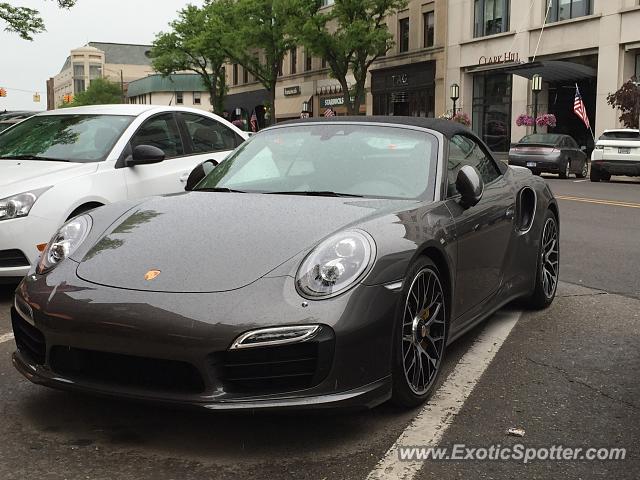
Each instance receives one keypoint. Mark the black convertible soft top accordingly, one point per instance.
(446, 127)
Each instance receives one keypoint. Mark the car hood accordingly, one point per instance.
(212, 242)
(17, 176)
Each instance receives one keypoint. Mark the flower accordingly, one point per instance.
(524, 120)
(546, 120)
(462, 118)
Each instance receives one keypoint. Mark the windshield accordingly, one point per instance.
(71, 138)
(348, 159)
(541, 138)
(620, 135)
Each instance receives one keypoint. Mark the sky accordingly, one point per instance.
(26, 65)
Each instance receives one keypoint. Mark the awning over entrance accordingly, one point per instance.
(554, 71)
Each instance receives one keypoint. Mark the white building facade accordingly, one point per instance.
(494, 47)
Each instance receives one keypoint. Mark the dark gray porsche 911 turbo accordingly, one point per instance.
(325, 263)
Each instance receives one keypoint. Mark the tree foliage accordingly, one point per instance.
(627, 100)
(25, 21)
(194, 44)
(257, 36)
(350, 37)
(100, 92)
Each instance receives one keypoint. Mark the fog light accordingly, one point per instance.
(265, 337)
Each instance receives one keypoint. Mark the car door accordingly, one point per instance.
(483, 232)
(206, 139)
(578, 157)
(160, 131)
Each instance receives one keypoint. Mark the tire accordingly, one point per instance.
(566, 171)
(594, 176)
(585, 170)
(545, 290)
(420, 332)
(605, 176)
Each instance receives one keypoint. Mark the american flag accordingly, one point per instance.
(329, 112)
(253, 122)
(580, 110)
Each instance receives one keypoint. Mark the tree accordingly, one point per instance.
(25, 21)
(100, 92)
(194, 45)
(350, 37)
(257, 37)
(627, 100)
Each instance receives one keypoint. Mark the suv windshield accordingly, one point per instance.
(347, 159)
(620, 135)
(70, 138)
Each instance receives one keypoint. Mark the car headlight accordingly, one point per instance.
(336, 264)
(19, 205)
(65, 242)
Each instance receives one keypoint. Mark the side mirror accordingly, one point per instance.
(145, 155)
(198, 173)
(470, 185)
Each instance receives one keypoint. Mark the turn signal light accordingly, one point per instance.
(41, 247)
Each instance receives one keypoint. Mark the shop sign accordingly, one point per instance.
(507, 57)
(290, 91)
(333, 101)
(401, 80)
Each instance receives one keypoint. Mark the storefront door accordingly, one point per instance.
(492, 109)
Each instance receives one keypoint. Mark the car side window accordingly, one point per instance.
(571, 143)
(160, 131)
(207, 135)
(465, 151)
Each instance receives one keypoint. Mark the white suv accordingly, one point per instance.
(59, 164)
(617, 152)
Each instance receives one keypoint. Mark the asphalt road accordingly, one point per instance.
(566, 375)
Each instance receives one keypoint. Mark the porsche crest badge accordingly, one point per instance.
(151, 275)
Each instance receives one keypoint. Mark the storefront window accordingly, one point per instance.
(492, 110)
(491, 17)
(567, 9)
(638, 67)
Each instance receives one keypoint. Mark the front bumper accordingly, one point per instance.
(197, 330)
(22, 235)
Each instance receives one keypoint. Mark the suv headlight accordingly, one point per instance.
(65, 242)
(336, 264)
(19, 205)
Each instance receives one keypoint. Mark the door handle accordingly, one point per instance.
(510, 212)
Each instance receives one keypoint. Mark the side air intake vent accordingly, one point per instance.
(526, 209)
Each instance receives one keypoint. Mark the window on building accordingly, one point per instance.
(179, 98)
(324, 63)
(491, 17)
(429, 20)
(197, 98)
(245, 75)
(326, 3)
(308, 59)
(280, 68)
(403, 34)
(95, 71)
(638, 67)
(567, 9)
(293, 60)
(492, 109)
(207, 135)
(162, 132)
(234, 74)
(78, 78)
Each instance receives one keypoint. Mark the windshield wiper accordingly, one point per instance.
(317, 193)
(32, 157)
(218, 189)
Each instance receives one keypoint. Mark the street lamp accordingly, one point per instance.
(536, 88)
(455, 95)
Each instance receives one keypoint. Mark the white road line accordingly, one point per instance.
(579, 181)
(428, 428)
(5, 337)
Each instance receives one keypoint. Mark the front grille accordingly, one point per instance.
(126, 370)
(29, 340)
(13, 258)
(261, 370)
